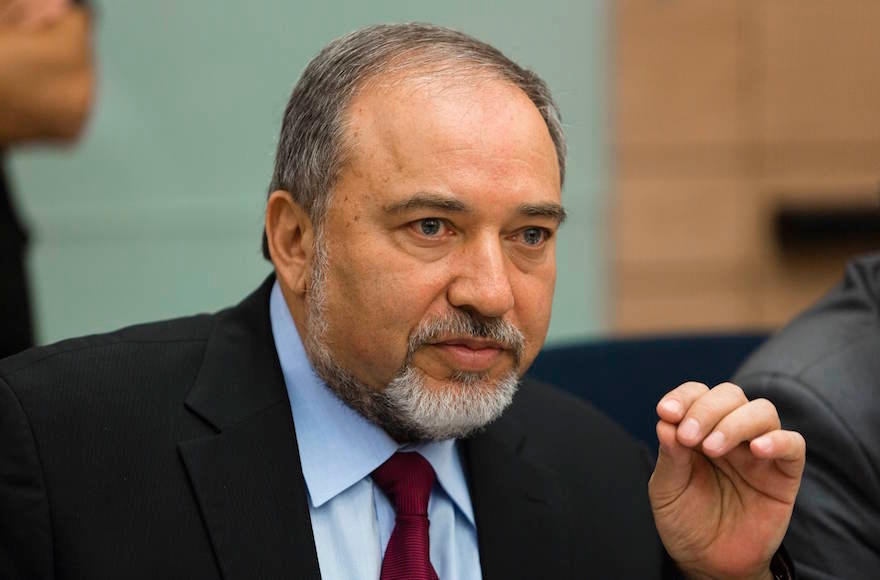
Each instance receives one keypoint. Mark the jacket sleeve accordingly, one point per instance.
(836, 519)
(25, 526)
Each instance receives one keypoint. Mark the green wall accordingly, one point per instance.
(157, 212)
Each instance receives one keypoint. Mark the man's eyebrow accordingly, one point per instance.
(443, 203)
(427, 201)
(550, 210)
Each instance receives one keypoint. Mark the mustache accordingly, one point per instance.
(461, 324)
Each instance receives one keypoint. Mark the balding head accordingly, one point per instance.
(312, 143)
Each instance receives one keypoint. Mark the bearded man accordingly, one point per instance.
(360, 415)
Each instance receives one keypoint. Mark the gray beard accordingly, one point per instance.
(406, 408)
(409, 412)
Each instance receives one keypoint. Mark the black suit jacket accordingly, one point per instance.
(823, 373)
(168, 451)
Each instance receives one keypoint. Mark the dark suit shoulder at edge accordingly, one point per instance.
(848, 314)
(782, 358)
(21, 530)
(188, 329)
(806, 343)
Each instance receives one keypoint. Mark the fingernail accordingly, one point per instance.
(715, 441)
(671, 406)
(689, 429)
(763, 443)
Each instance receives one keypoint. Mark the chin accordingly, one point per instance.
(468, 402)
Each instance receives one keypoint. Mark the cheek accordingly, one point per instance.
(372, 306)
(376, 292)
(534, 305)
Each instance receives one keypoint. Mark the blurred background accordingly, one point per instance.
(724, 157)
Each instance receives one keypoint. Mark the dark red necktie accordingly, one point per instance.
(407, 479)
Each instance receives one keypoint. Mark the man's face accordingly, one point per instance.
(439, 249)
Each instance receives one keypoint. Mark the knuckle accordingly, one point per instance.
(703, 409)
(731, 389)
(694, 388)
(765, 405)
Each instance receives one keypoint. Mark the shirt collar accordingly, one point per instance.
(337, 446)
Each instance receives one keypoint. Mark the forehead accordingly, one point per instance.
(471, 124)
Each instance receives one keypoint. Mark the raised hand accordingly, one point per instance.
(725, 481)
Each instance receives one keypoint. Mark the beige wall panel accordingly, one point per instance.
(678, 72)
(689, 161)
(686, 221)
(836, 171)
(821, 63)
(697, 297)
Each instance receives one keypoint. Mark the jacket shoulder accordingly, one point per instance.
(85, 359)
(846, 319)
(552, 415)
(576, 441)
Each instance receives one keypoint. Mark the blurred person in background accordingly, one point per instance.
(46, 88)
(821, 371)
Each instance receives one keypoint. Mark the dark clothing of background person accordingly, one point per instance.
(822, 372)
(15, 309)
(46, 82)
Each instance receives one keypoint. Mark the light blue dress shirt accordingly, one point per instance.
(352, 520)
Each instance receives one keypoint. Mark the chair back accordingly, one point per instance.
(625, 378)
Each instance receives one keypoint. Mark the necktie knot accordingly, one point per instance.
(406, 479)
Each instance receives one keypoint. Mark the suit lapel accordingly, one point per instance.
(518, 508)
(247, 477)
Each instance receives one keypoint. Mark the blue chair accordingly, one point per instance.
(625, 378)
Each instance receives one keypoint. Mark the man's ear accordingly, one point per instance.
(291, 236)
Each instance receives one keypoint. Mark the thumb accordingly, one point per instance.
(672, 473)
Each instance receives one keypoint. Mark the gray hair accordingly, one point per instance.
(311, 146)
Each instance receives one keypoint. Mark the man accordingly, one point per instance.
(411, 222)
(822, 371)
(46, 86)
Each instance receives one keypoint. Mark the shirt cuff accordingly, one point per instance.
(781, 565)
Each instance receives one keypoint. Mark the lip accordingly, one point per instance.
(470, 354)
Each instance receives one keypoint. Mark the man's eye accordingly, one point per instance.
(429, 226)
(534, 236)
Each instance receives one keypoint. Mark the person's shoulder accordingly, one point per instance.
(539, 403)
(151, 345)
(840, 325)
(566, 429)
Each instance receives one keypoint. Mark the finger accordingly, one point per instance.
(706, 412)
(744, 423)
(669, 444)
(672, 472)
(780, 445)
(673, 405)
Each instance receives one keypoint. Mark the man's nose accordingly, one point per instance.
(481, 283)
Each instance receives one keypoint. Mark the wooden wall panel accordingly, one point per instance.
(686, 297)
(835, 171)
(820, 71)
(679, 221)
(726, 112)
(680, 59)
